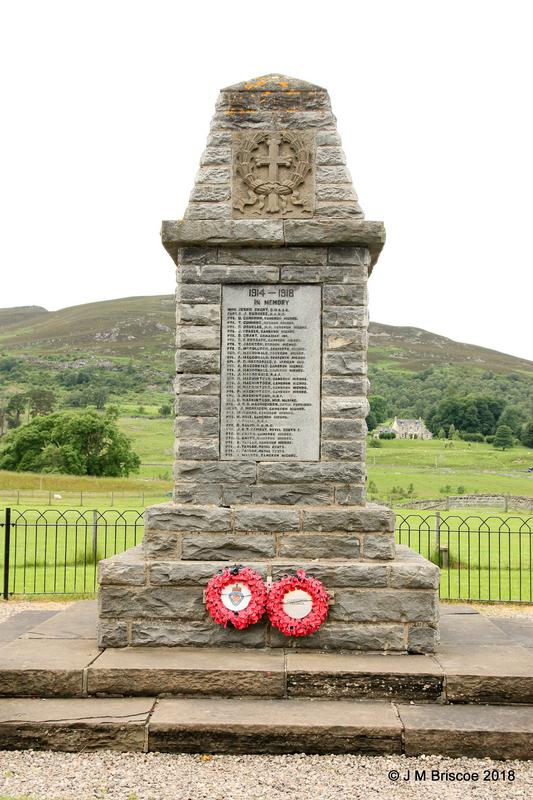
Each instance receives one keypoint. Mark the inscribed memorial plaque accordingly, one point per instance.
(270, 407)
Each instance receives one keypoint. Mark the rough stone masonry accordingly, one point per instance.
(273, 258)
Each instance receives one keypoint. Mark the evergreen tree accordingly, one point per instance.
(503, 438)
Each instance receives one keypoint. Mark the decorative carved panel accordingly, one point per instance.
(273, 174)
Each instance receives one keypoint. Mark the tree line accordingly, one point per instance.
(457, 401)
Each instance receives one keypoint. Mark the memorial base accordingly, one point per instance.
(384, 597)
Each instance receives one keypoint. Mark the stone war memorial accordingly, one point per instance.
(269, 542)
(268, 609)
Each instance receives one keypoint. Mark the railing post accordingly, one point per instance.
(506, 503)
(443, 552)
(94, 538)
(7, 550)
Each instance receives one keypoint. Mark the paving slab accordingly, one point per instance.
(447, 609)
(469, 629)
(498, 732)
(78, 621)
(274, 726)
(74, 724)
(519, 630)
(29, 667)
(22, 621)
(332, 675)
(208, 671)
(487, 673)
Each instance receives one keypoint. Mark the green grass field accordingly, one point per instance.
(434, 469)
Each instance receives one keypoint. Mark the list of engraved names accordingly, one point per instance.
(270, 407)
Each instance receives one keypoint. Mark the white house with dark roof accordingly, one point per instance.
(410, 429)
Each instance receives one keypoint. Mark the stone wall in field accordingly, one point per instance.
(505, 502)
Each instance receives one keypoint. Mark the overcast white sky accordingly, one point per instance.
(106, 107)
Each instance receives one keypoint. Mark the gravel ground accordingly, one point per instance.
(504, 609)
(159, 776)
(10, 607)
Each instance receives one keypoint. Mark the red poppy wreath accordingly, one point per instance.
(237, 595)
(297, 604)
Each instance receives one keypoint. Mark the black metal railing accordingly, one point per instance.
(54, 551)
(486, 558)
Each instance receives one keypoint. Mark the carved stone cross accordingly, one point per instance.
(273, 161)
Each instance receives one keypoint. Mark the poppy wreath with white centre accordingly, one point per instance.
(280, 605)
(237, 595)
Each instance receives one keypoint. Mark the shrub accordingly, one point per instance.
(375, 443)
(372, 487)
(398, 492)
(489, 439)
(471, 437)
(387, 435)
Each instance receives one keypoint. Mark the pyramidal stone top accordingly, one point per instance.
(273, 153)
(274, 83)
(273, 172)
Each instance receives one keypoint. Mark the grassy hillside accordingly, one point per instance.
(131, 327)
(414, 349)
(127, 346)
(20, 314)
(141, 328)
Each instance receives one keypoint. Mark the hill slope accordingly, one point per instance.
(140, 328)
(19, 314)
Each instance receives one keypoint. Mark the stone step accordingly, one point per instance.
(76, 668)
(245, 725)
(188, 671)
